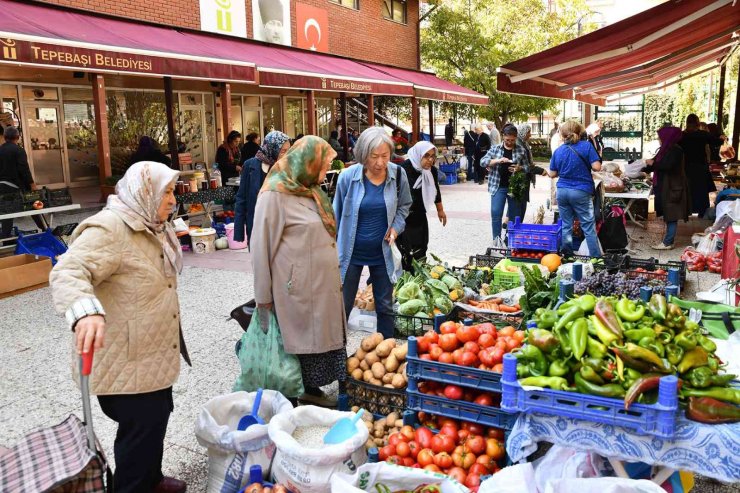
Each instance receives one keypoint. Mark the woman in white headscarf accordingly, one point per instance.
(425, 195)
(117, 286)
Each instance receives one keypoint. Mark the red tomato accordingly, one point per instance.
(474, 428)
(423, 437)
(501, 343)
(472, 347)
(497, 356)
(394, 439)
(486, 461)
(469, 358)
(435, 351)
(408, 433)
(486, 356)
(408, 461)
(447, 422)
(453, 392)
(425, 357)
(495, 449)
(448, 441)
(463, 459)
(480, 469)
(498, 368)
(414, 449)
(512, 344)
(520, 335)
(486, 340)
(448, 328)
(462, 435)
(475, 443)
(472, 481)
(431, 336)
(450, 431)
(484, 400)
(437, 444)
(446, 358)
(403, 449)
(422, 345)
(487, 328)
(448, 342)
(507, 331)
(443, 460)
(458, 474)
(467, 333)
(386, 452)
(496, 433)
(425, 457)
(394, 459)
(432, 468)
(457, 355)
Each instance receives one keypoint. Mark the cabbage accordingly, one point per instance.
(408, 291)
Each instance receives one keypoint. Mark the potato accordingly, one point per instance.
(402, 370)
(391, 364)
(378, 433)
(398, 381)
(380, 442)
(377, 382)
(360, 354)
(364, 366)
(357, 374)
(378, 370)
(352, 364)
(254, 488)
(372, 358)
(279, 488)
(391, 419)
(267, 489)
(370, 342)
(385, 347)
(388, 377)
(400, 351)
(399, 423)
(354, 409)
(387, 385)
(370, 443)
(380, 423)
(367, 376)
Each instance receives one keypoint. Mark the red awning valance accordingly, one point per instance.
(646, 51)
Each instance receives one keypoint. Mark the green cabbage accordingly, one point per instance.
(411, 307)
(408, 291)
(443, 304)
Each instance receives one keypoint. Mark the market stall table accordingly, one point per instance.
(46, 215)
(206, 198)
(630, 198)
(709, 450)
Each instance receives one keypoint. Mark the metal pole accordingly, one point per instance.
(736, 126)
(343, 116)
(169, 105)
(721, 97)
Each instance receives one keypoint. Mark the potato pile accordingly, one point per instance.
(364, 299)
(379, 362)
(380, 429)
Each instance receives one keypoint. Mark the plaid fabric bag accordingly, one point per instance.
(55, 459)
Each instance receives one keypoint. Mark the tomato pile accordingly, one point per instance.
(479, 346)
(519, 253)
(464, 451)
(698, 262)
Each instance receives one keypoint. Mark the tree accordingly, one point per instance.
(466, 40)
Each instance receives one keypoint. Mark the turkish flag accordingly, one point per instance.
(312, 27)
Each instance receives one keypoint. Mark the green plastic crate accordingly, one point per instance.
(503, 281)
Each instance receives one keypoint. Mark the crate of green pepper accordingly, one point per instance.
(619, 361)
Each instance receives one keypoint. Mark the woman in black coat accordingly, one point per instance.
(696, 147)
(148, 150)
(251, 146)
(425, 195)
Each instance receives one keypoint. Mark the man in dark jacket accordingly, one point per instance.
(482, 145)
(470, 139)
(15, 175)
(449, 132)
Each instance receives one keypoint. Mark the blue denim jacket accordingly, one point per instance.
(349, 194)
(250, 183)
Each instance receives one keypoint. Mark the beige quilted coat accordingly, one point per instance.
(120, 264)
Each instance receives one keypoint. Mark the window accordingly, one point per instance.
(353, 4)
(294, 117)
(272, 114)
(79, 130)
(395, 10)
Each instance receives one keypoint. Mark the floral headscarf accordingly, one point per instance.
(271, 146)
(138, 196)
(297, 173)
(522, 131)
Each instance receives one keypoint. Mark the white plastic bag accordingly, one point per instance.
(231, 452)
(382, 476)
(583, 249)
(562, 462)
(397, 262)
(464, 163)
(307, 470)
(602, 485)
(709, 244)
(512, 479)
(634, 169)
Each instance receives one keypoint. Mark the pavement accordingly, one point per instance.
(35, 345)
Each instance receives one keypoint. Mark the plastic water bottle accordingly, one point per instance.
(217, 175)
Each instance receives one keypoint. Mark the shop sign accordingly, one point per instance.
(450, 97)
(298, 81)
(224, 17)
(312, 28)
(70, 57)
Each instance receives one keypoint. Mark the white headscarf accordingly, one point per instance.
(138, 196)
(593, 129)
(426, 179)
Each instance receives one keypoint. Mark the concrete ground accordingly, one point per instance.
(37, 390)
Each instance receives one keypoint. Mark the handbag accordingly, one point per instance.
(613, 233)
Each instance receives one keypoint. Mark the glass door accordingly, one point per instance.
(47, 153)
(252, 116)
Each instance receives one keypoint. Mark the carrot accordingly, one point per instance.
(508, 309)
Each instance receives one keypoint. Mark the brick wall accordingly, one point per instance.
(362, 34)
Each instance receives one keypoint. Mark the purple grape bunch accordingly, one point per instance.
(604, 283)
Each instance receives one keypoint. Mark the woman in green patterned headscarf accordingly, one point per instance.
(296, 265)
(301, 172)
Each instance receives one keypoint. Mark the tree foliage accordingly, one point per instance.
(466, 40)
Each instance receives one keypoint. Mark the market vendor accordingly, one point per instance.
(425, 196)
(275, 145)
(296, 274)
(401, 142)
(371, 205)
(228, 157)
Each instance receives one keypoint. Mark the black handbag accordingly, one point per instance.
(613, 234)
(243, 313)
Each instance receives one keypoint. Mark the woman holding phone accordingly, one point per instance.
(503, 160)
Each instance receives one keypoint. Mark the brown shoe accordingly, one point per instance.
(171, 485)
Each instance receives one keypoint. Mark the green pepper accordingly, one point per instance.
(674, 353)
(658, 307)
(641, 353)
(531, 358)
(706, 343)
(627, 326)
(558, 368)
(638, 334)
(578, 333)
(640, 386)
(713, 363)
(563, 309)
(726, 394)
(608, 390)
(542, 339)
(686, 340)
(605, 314)
(712, 411)
(555, 383)
(691, 359)
(544, 318)
(653, 345)
(630, 375)
(606, 336)
(595, 349)
(675, 317)
(703, 377)
(636, 363)
(587, 302)
(664, 337)
(597, 364)
(571, 315)
(590, 375)
(629, 310)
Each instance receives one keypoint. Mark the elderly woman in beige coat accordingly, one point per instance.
(296, 271)
(117, 287)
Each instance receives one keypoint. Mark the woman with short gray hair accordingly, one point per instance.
(371, 205)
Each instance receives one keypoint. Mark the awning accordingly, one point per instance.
(429, 86)
(48, 36)
(648, 51)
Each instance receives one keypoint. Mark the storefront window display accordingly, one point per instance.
(324, 117)
(9, 110)
(79, 132)
(272, 114)
(295, 117)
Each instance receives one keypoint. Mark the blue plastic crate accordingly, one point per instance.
(449, 168)
(462, 410)
(450, 179)
(542, 237)
(43, 244)
(649, 419)
(435, 371)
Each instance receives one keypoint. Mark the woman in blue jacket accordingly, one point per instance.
(371, 205)
(253, 176)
